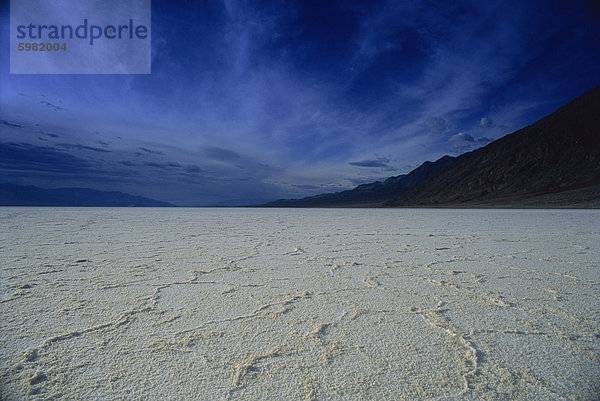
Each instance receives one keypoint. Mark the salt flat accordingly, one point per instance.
(263, 304)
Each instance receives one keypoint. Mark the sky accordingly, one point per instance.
(252, 101)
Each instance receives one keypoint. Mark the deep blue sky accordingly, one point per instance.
(251, 101)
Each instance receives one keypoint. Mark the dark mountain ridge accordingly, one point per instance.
(554, 162)
(20, 195)
(561, 152)
(372, 194)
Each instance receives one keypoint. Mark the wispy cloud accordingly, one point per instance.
(486, 123)
(221, 154)
(381, 162)
(152, 152)
(163, 166)
(50, 134)
(11, 124)
(155, 165)
(192, 168)
(52, 106)
(436, 125)
(74, 146)
(278, 100)
(461, 137)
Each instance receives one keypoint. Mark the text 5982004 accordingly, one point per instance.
(42, 47)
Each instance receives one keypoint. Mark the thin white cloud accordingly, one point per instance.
(461, 137)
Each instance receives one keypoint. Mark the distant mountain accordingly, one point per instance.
(19, 195)
(368, 195)
(552, 163)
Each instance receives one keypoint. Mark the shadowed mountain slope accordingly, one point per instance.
(554, 162)
(368, 195)
(559, 153)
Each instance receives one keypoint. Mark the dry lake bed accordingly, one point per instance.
(265, 304)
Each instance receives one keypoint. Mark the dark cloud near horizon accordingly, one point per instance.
(50, 134)
(308, 187)
(73, 146)
(192, 168)
(54, 166)
(163, 166)
(156, 165)
(24, 156)
(52, 106)
(381, 162)
(11, 124)
(152, 152)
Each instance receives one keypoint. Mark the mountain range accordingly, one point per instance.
(21, 195)
(554, 162)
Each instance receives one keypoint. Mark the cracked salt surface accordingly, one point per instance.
(244, 304)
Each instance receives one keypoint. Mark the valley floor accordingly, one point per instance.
(290, 304)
